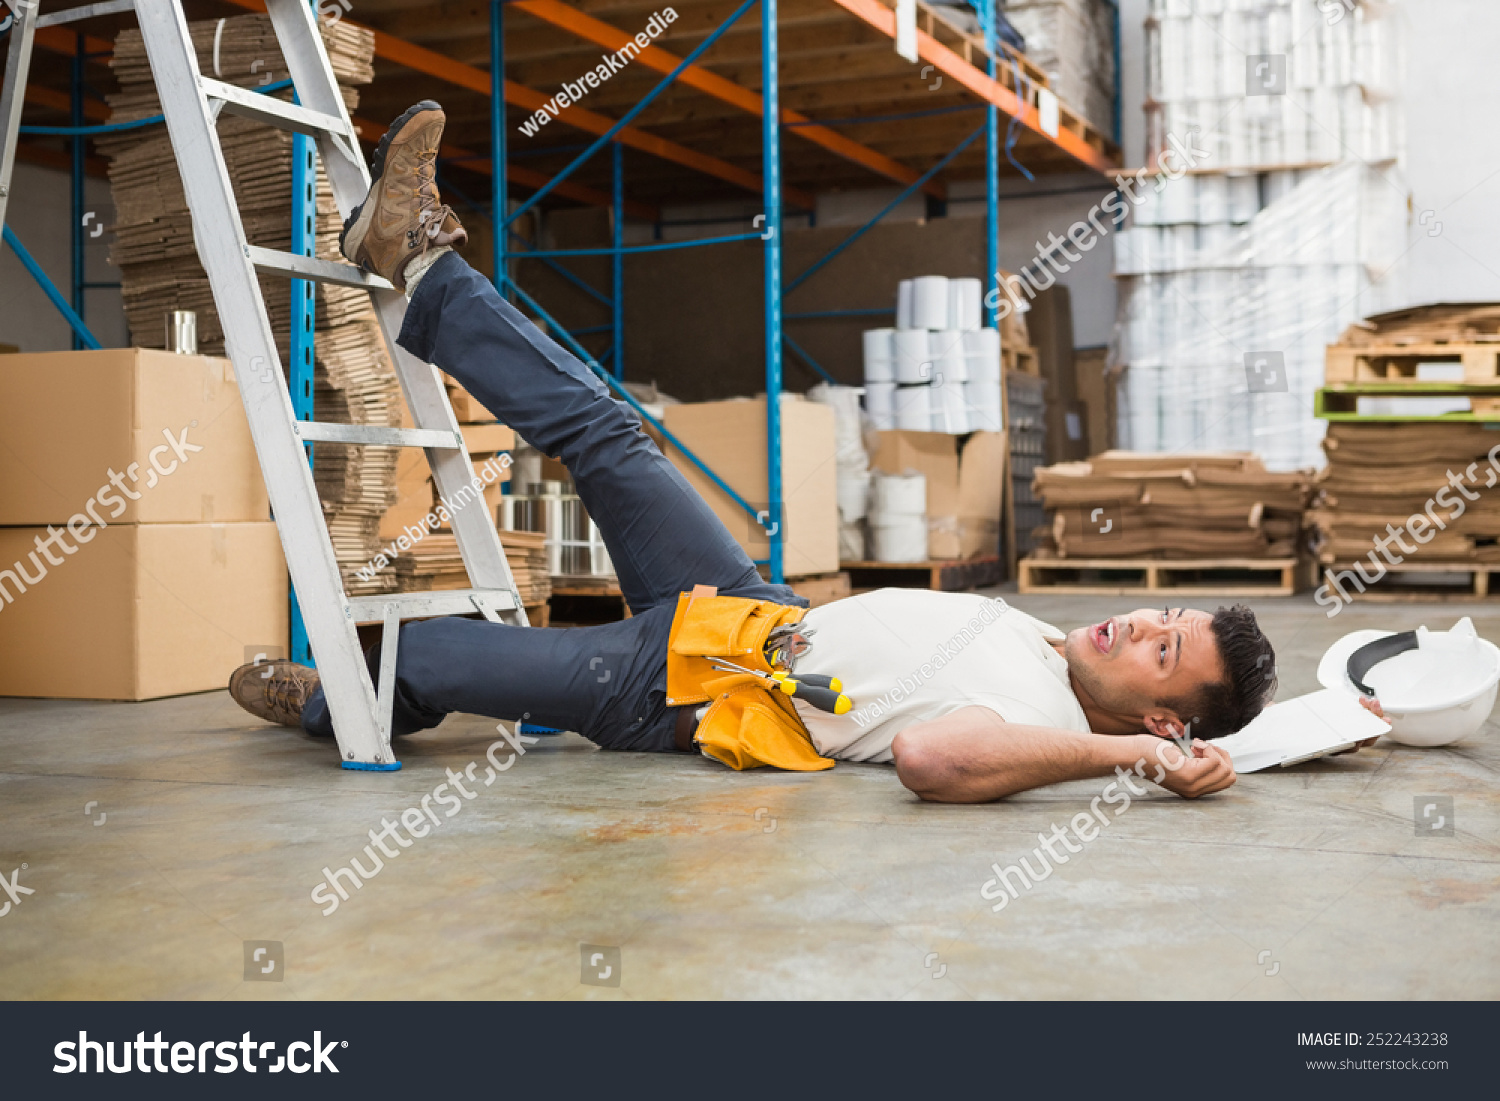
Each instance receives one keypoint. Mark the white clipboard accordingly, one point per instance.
(1302, 729)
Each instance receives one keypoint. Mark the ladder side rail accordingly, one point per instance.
(13, 91)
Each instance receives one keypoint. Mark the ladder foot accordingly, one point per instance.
(366, 766)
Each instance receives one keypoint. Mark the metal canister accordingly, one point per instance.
(182, 332)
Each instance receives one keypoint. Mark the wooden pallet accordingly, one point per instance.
(1023, 359)
(823, 588)
(1397, 362)
(949, 575)
(1401, 584)
(1123, 576)
(1340, 402)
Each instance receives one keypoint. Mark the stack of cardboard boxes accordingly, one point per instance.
(137, 555)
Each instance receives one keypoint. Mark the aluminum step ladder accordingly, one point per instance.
(191, 104)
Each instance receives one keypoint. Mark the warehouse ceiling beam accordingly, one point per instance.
(737, 95)
(422, 60)
(929, 49)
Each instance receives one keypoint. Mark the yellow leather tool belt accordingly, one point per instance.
(747, 725)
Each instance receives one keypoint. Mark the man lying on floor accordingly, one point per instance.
(971, 699)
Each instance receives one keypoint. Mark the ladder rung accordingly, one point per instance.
(268, 109)
(371, 609)
(376, 435)
(293, 266)
(89, 11)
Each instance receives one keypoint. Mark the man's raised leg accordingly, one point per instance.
(662, 536)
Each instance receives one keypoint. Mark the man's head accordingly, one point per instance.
(1163, 669)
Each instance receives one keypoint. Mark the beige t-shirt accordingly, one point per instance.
(909, 655)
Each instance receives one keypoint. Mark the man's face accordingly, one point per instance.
(1126, 664)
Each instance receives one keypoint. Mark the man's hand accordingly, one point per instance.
(1208, 770)
(1374, 708)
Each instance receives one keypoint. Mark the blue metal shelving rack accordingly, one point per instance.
(769, 230)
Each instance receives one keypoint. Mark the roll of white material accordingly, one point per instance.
(853, 494)
(950, 408)
(1129, 251)
(1184, 246)
(848, 425)
(982, 354)
(901, 539)
(947, 353)
(963, 304)
(880, 399)
(852, 542)
(914, 408)
(880, 355)
(893, 496)
(903, 304)
(1213, 199)
(983, 399)
(1244, 198)
(913, 355)
(1178, 201)
(929, 302)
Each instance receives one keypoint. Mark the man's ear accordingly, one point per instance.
(1163, 724)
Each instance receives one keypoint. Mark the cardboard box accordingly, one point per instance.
(822, 590)
(730, 438)
(981, 491)
(486, 439)
(466, 406)
(77, 424)
(964, 491)
(138, 611)
(414, 494)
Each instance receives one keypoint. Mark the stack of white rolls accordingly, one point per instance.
(937, 370)
(898, 517)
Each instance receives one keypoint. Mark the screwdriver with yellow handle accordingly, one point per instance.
(824, 693)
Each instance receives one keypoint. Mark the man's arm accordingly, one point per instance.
(975, 756)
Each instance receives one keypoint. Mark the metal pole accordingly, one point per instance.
(304, 325)
(771, 157)
(498, 189)
(992, 180)
(617, 293)
(79, 144)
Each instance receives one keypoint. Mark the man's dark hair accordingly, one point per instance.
(1224, 707)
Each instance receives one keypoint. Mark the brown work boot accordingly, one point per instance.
(401, 217)
(273, 690)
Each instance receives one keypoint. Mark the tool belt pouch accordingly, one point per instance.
(748, 724)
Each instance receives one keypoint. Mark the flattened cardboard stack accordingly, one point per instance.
(1383, 474)
(160, 271)
(434, 563)
(1443, 323)
(1123, 504)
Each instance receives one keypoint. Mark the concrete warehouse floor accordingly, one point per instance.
(1306, 883)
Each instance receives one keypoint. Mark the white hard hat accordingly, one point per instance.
(1434, 686)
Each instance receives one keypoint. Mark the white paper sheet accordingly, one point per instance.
(1293, 731)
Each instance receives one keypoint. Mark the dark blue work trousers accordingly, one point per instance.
(609, 682)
